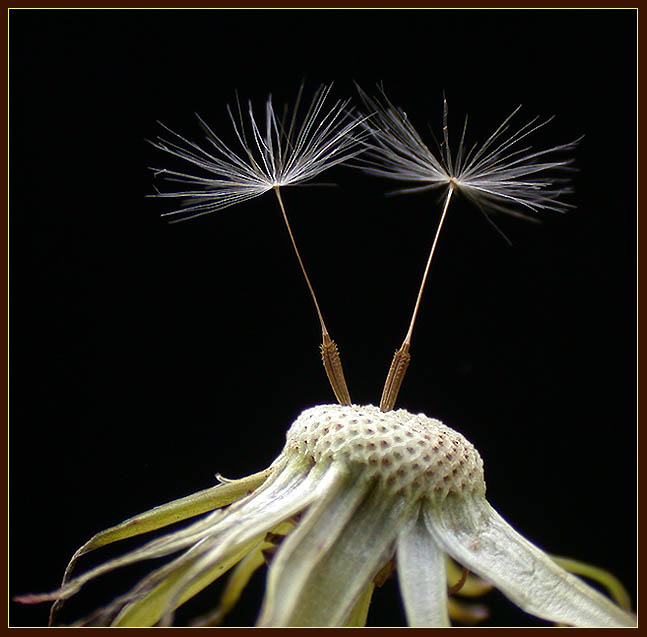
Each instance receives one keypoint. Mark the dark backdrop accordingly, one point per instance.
(147, 357)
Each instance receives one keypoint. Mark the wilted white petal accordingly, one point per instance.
(175, 511)
(236, 582)
(244, 529)
(325, 564)
(166, 514)
(277, 486)
(475, 535)
(147, 603)
(422, 575)
(240, 577)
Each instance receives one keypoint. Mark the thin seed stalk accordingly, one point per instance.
(401, 359)
(329, 352)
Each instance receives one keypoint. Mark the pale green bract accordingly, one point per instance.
(353, 489)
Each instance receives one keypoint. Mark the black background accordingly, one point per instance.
(146, 357)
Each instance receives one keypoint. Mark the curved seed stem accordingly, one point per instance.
(329, 352)
(402, 357)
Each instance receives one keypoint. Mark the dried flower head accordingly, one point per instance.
(355, 494)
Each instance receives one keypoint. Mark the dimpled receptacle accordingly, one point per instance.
(411, 453)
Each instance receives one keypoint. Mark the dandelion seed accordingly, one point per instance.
(500, 175)
(287, 151)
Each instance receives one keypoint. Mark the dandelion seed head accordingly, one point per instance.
(412, 454)
(502, 174)
(270, 152)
